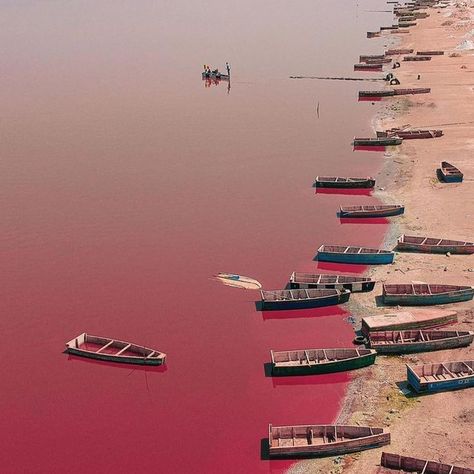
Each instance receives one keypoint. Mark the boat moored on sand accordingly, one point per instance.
(323, 440)
(450, 174)
(358, 255)
(113, 350)
(413, 243)
(414, 294)
(371, 211)
(409, 464)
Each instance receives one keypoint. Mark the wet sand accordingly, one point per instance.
(435, 426)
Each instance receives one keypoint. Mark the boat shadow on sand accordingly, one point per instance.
(119, 365)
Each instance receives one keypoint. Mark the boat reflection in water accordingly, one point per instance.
(215, 81)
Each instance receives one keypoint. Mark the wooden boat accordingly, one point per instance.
(399, 31)
(442, 376)
(410, 134)
(373, 34)
(411, 341)
(387, 28)
(450, 174)
(396, 52)
(425, 294)
(417, 58)
(302, 299)
(113, 350)
(324, 440)
(352, 283)
(359, 255)
(408, 464)
(384, 60)
(340, 182)
(387, 141)
(434, 245)
(320, 361)
(212, 75)
(240, 281)
(406, 24)
(370, 57)
(430, 53)
(368, 67)
(414, 90)
(404, 320)
(380, 93)
(371, 211)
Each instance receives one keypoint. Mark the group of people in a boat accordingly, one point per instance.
(208, 72)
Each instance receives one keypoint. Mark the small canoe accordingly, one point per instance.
(224, 77)
(414, 90)
(384, 60)
(411, 341)
(450, 174)
(370, 57)
(302, 299)
(324, 440)
(385, 141)
(311, 280)
(388, 28)
(442, 376)
(340, 182)
(396, 52)
(430, 53)
(373, 34)
(434, 245)
(408, 464)
(404, 320)
(240, 281)
(113, 350)
(425, 294)
(358, 255)
(371, 211)
(320, 361)
(406, 24)
(379, 93)
(411, 134)
(417, 58)
(368, 67)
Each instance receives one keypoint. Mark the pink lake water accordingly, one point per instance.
(127, 184)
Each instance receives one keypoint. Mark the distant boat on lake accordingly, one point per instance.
(359, 255)
(113, 350)
(425, 294)
(323, 440)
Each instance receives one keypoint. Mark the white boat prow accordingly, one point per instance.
(238, 281)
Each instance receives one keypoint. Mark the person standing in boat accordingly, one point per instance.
(227, 66)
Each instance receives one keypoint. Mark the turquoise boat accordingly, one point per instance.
(442, 376)
(357, 255)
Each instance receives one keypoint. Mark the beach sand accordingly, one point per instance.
(437, 426)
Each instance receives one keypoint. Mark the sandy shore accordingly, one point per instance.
(437, 426)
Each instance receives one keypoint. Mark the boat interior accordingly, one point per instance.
(421, 466)
(421, 289)
(298, 294)
(431, 241)
(444, 371)
(404, 337)
(351, 250)
(316, 356)
(288, 436)
(300, 277)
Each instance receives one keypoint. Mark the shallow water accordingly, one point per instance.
(127, 184)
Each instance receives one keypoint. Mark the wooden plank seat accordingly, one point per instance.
(104, 347)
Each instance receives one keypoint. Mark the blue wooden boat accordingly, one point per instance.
(302, 299)
(442, 376)
(319, 280)
(358, 255)
(450, 174)
(425, 294)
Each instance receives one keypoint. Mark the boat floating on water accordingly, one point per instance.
(371, 211)
(320, 361)
(302, 299)
(213, 75)
(408, 464)
(425, 294)
(323, 440)
(434, 245)
(450, 174)
(238, 281)
(317, 280)
(340, 182)
(382, 141)
(411, 341)
(113, 350)
(359, 255)
(441, 376)
(404, 320)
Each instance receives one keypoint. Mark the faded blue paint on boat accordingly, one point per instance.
(357, 258)
(439, 385)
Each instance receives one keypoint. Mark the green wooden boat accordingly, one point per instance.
(320, 361)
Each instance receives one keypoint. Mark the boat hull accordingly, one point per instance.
(325, 368)
(425, 248)
(421, 300)
(305, 303)
(360, 259)
(112, 358)
(363, 184)
(376, 213)
(356, 287)
(438, 385)
(377, 142)
(223, 77)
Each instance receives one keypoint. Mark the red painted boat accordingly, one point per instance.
(409, 464)
(434, 245)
